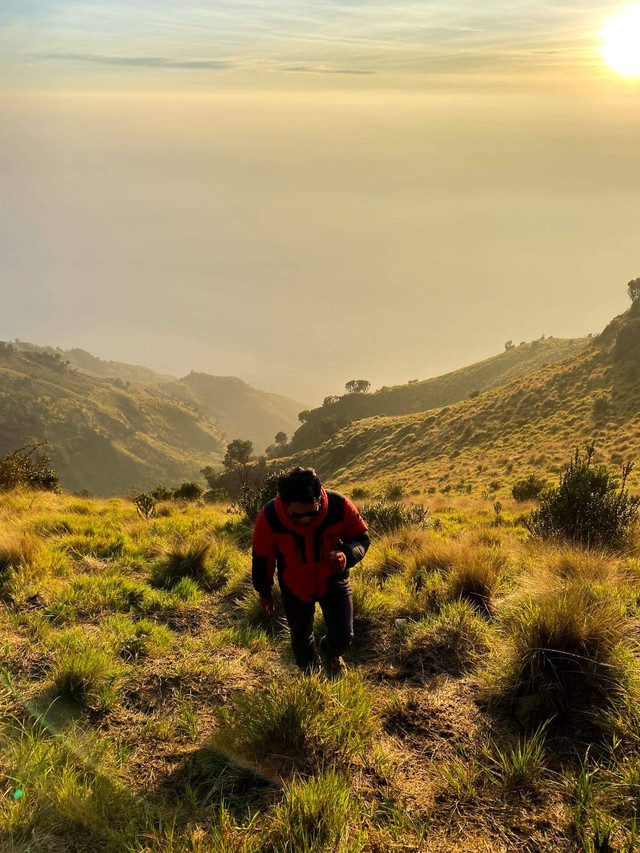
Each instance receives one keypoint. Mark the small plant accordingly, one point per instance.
(520, 768)
(390, 516)
(528, 488)
(145, 505)
(589, 507)
(359, 492)
(133, 641)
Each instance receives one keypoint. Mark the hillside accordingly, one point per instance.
(237, 409)
(514, 363)
(532, 423)
(88, 363)
(105, 437)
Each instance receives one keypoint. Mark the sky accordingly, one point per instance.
(302, 194)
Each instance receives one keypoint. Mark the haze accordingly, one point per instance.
(303, 195)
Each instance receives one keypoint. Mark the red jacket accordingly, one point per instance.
(301, 552)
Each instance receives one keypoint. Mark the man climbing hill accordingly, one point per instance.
(312, 537)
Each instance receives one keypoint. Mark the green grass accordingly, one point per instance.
(307, 723)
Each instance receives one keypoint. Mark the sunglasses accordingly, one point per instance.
(296, 516)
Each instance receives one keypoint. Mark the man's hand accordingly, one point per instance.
(338, 561)
(266, 602)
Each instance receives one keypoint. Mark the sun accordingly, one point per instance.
(621, 42)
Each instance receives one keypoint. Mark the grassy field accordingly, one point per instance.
(491, 701)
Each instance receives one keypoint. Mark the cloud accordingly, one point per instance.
(319, 69)
(144, 61)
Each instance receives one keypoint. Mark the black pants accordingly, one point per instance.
(337, 610)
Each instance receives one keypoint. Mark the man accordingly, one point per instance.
(313, 537)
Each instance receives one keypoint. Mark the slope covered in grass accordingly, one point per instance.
(234, 408)
(104, 437)
(416, 396)
(486, 442)
(146, 712)
(237, 409)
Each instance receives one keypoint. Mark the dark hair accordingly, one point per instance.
(299, 484)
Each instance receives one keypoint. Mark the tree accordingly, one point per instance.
(281, 437)
(303, 417)
(238, 453)
(508, 345)
(633, 289)
(330, 400)
(357, 386)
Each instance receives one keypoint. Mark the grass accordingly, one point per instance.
(156, 715)
(308, 723)
(566, 652)
(454, 640)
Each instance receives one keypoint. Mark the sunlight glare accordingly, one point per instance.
(621, 42)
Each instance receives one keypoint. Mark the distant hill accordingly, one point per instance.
(87, 363)
(514, 363)
(237, 409)
(530, 424)
(105, 436)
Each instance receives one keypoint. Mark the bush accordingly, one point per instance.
(528, 488)
(390, 516)
(188, 491)
(393, 492)
(589, 507)
(28, 466)
(254, 494)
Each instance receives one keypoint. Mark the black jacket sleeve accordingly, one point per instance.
(355, 548)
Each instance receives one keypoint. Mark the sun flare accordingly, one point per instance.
(621, 42)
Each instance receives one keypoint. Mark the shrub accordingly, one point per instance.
(528, 488)
(162, 493)
(359, 492)
(566, 653)
(28, 466)
(393, 492)
(309, 723)
(255, 493)
(589, 507)
(390, 516)
(188, 491)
